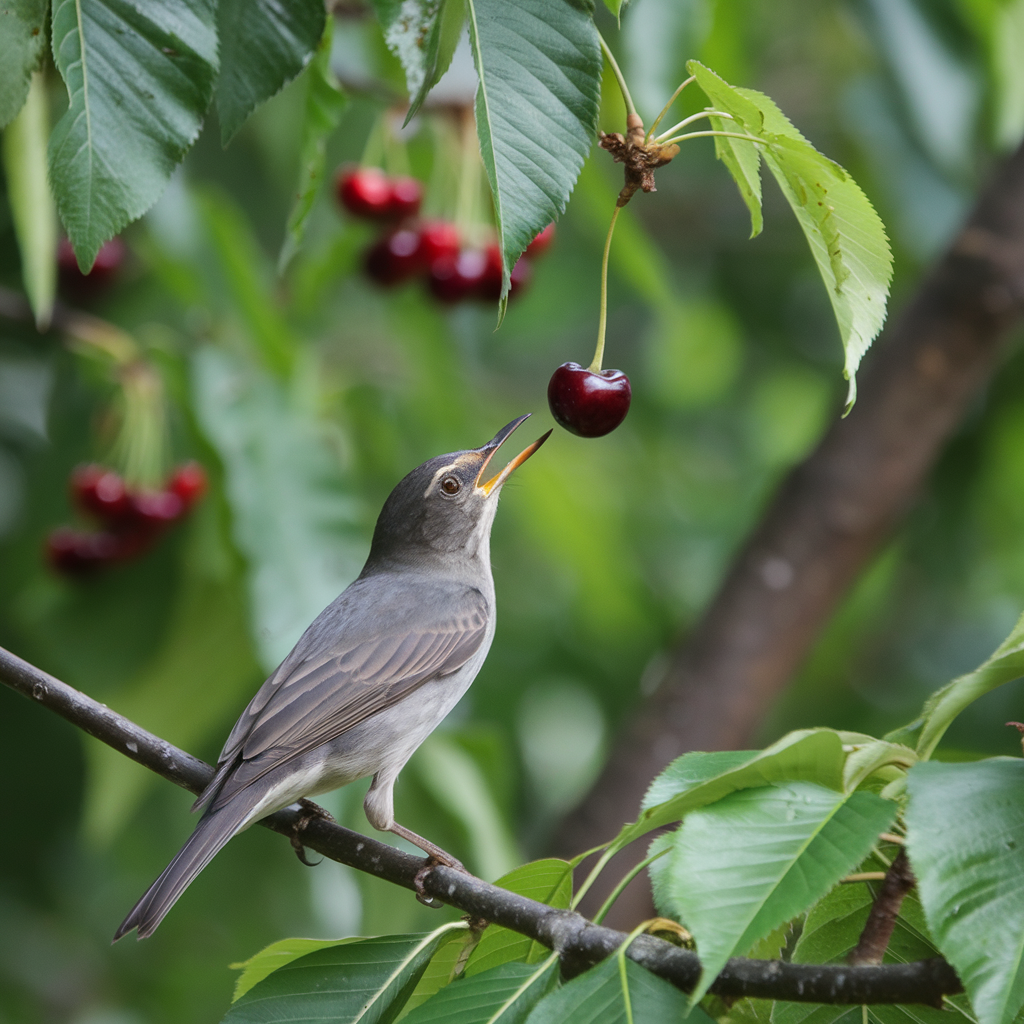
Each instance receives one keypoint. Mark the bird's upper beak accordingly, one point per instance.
(493, 445)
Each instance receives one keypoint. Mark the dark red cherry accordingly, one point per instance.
(406, 196)
(188, 482)
(155, 510)
(102, 492)
(454, 278)
(76, 553)
(490, 285)
(439, 238)
(395, 258)
(586, 403)
(541, 242)
(365, 192)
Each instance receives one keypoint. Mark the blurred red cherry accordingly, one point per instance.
(188, 482)
(406, 196)
(101, 492)
(490, 284)
(77, 553)
(541, 242)
(454, 278)
(104, 270)
(395, 258)
(155, 510)
(439, 238)
(586, 403)
(365, 192)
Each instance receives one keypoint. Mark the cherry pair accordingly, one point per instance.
(370, 194)
(131, 520)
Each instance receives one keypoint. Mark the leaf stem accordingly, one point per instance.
(700, 135)
(602, 863)
(602, 323)
(617, 71)
(623, 977)
(665, 109)
(689, 120)
(627, 878)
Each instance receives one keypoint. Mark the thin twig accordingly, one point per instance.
(579, 943)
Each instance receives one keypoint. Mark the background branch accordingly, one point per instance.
(830, 515)
(579, 942)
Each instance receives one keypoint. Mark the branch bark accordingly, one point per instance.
(832, 512)
(874, 940)
(579, 942)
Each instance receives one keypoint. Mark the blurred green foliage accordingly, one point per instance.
(308, 397)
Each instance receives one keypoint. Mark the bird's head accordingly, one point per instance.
(447, 505)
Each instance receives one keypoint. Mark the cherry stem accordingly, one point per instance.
(467, 218)
(689, 120)
(373, 150)
(665, 109)
(595, 366)
(627, 878)
(617, 71)
(724, 135)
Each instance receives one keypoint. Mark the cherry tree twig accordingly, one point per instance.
(580, 943)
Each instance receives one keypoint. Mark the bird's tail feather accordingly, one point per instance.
(213, 831)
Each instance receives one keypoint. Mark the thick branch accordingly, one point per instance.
(832, 513)
(579, 942)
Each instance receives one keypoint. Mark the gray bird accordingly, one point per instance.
(372, 677)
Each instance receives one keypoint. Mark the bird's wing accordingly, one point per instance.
(354, 675)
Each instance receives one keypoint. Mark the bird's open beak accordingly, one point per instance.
(493, 445)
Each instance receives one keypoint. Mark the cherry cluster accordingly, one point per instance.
(432, 249)
(130, 521)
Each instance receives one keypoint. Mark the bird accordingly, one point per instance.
(373, 675)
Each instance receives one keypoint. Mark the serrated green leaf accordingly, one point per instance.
(965, 838)
(294, 514)
(139, 79)
(264, 44)
(845, 234)
(1004, 666)
(445, 965)
(22, 42)
(423, 35)
(365, 981)
(755, 859)
(547, 881)
(597, 997)
(501, 995)
(325, 103)
(539, 65)
(28, 194)
(700, 778)
(274, 956)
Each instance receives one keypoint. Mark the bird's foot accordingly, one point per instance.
(310, 812)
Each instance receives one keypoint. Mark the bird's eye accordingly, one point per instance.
(451, 485)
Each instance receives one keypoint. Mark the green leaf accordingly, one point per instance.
(597, 997)
(699, 778)
(264, 44)
(325, 103)
(547, 881)
(139, 79)
(203, 672)
(365, 981)
(32, 209)
(423, 35)
(445, 966)
(539, 64)
(456, 782)
(869, 757)
(965, 838)
(295, 516)
(845, 234)
(274, 956)
(22, 42)
(1004, 666)
(755, 859)
(502, 995)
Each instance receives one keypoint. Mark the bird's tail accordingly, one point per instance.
(213, 831)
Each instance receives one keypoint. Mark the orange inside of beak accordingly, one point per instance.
(501, 477)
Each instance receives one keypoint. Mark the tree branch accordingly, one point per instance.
(874, 940)
(579, 942)
(832, 512)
